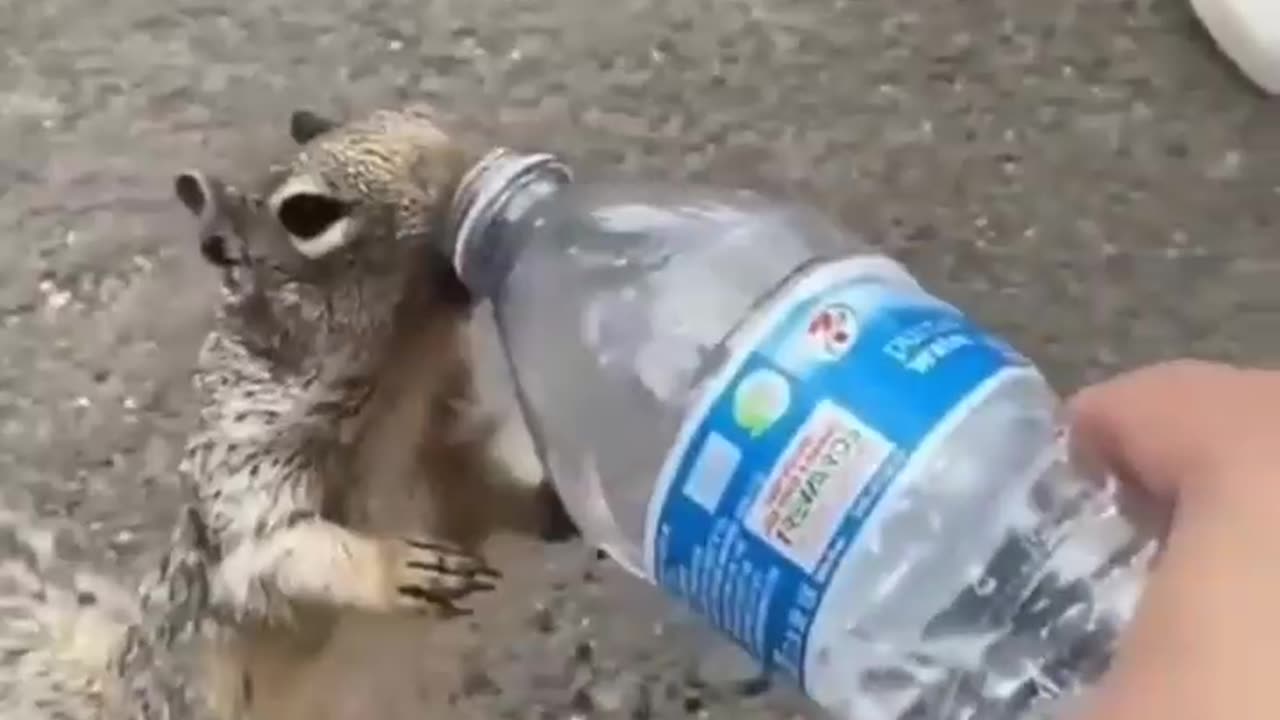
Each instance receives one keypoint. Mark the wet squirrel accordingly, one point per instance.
(343, 470)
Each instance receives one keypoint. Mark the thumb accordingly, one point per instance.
(1145, 426)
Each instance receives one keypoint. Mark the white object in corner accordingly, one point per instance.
(1248, 31)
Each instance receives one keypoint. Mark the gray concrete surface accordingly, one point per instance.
(1089, 176)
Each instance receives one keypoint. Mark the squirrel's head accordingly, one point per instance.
(339, 240)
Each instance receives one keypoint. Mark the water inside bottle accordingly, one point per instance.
(623, 307)
(988, 584)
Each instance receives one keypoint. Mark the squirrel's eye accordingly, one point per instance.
(308, 215)
(318, 221)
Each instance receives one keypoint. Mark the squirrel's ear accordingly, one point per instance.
(204, 196)
(211, 202)
(305, 125)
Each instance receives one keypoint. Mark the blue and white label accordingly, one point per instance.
(791, 446)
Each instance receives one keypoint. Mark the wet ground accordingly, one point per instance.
(1088, 176)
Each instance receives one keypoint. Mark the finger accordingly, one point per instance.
(1144, 425)
(435, 546)
(455, 565)
(421, 600)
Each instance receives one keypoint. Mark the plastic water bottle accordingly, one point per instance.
(776, 424)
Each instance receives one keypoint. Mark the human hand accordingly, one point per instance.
(1206, 438)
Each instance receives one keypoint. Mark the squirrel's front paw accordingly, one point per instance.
(425, 575)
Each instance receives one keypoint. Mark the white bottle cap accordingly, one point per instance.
(1248, 31)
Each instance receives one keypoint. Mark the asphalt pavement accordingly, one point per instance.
(1089, 177)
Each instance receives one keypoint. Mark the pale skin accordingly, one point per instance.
(1204, 438)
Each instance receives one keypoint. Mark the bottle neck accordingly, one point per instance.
(492, 197)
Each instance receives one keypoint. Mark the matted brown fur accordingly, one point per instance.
(343, 472)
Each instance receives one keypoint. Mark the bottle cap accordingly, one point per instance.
(483, 189)
(1248, 32)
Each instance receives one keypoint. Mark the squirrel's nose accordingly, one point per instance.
(214, 249)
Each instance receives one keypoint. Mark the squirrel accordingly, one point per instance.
(343, 470)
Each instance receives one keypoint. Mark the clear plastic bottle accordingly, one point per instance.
(753, 409)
